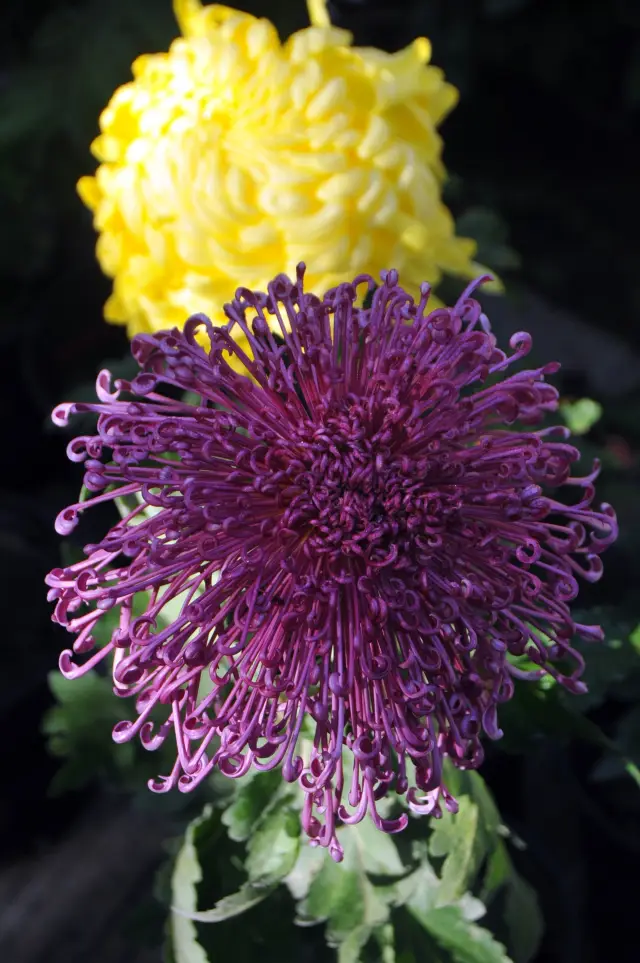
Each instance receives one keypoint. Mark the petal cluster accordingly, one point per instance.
(234, 156)
(348, 551)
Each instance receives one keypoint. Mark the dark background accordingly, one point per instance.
(543, 152)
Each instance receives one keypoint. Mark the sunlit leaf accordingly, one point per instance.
(465, 941)
(307, 866)
(186, 876)
(248, 807)
(342, 895)
(273, 848)
(456, 837)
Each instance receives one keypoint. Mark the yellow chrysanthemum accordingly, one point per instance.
(233, 156)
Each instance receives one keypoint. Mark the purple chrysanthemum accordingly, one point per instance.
(355, 532)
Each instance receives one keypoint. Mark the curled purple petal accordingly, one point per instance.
(349, 544)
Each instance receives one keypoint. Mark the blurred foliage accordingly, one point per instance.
(75, 728)
(78, 731)
(580, 416)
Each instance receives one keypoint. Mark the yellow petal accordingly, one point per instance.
(89, 192)
(318, 13)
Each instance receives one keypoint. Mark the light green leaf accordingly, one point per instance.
(420, 888)
(465, 941)
(471, 907)
(247, 896)
(350, 949)
(342, 894)
(580, 416)
(273, 848)
(307, 866)
(334, 894)
(186, 876)
(384, 937)
(250, 804)
(457, 838)
(470, 783)
(634, 639)
(378, 851)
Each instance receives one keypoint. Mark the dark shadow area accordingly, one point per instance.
(544, 149)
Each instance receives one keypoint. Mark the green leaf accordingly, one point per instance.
(186, 876)
(248, 807)
(608, 667)
(79, 730)
(307, 866)
(555, 715)
(498, 872)
(273, 848)
(627, 738)
(464, 852)
(244, 899)
(384, 937)
(471, 783)
(334, 894)
(464, 940)
(457, 838)
(580, 416)
(523, 918)
(201, 834)
(378, 851)
(342, 895)
(420, 887)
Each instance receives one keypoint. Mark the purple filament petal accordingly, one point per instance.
(358, 532)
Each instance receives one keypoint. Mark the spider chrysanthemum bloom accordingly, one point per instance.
(234, 156)
(360, 531)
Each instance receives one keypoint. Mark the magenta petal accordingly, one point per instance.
(350, 532)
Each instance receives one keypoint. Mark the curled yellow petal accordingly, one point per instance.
(232, 156)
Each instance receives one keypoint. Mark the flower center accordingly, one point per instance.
(357, 493)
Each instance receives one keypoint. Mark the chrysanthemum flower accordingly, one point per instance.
(235, 156)
(360, 531)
